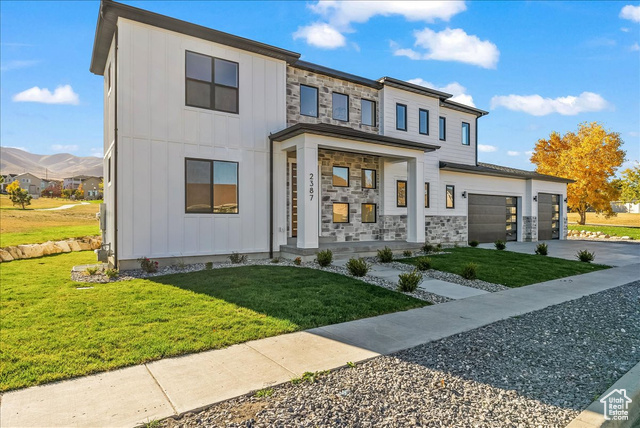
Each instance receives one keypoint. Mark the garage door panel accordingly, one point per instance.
(488, 219)
(548, 216)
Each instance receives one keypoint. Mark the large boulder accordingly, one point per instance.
(31, 251)
(63, 246)
(73, 244)
(84, 246)
(49, 248)
(5, 256)
(15, 252)
(96, 243)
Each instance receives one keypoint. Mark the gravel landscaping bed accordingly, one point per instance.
(536, 370)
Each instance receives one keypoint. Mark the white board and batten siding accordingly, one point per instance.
(157, 131)
(109, 109)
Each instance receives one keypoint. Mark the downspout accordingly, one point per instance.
(270, 198)
(476, 140)
(115, 154)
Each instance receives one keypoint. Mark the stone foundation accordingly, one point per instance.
(565, 228)
(394, 227)
(30, 251)
(446, 229)
(530, 228)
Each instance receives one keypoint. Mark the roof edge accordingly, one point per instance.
(485, 169)
(411, 87)
(464, 108)
(320, 69)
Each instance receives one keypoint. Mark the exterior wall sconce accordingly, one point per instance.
(464, 195)
(535, 198)
(565, 200)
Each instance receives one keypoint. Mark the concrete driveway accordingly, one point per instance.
(608, 253)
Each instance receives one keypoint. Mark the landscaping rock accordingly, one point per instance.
(74, 245)
(84, 246)
(5, 256)
(64, 246)
(15, 252)
(48, 248)
(31, 251)
(95, 243)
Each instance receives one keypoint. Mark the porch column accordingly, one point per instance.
(308, 193)
(415, 201)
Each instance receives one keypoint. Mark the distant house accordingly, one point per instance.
(8, 179)
(90, 185)
(27, 181)
(622, 207)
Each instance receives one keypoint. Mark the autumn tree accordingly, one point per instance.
(589, 156)
(79, 192)
(629, 185)
(17, 195)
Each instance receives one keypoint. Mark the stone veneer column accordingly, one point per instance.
(308, 194)
(415, 201)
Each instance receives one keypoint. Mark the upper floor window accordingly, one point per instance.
(211, 83)
(443, 128)
(308, 101)
(340, 106)
(423, 119)
(401, 117)
(211, 186)
(466, 134)
(368, 109)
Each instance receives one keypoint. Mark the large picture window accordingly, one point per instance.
(340, 176)
(368, 213)
(308, 101)
(340, 212)
(451, 196)
(211, 83)
(401, 193)
(340, 107)
(211, 186)
(368, 109)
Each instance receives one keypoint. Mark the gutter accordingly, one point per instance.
(115, 152)
(270, 198)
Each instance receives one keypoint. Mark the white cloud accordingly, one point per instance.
(631, 13)
(64, 148)
(453, 45)
(539, 106)
(61, 95)
(485, 148)
(529, 153)
(634, 47)
(96, 151)
(634, 133)
(17, 64)
(321, 35)
(513, 153)
(625, 29)
(458, 91)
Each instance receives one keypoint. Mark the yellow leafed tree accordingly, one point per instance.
(589, 156)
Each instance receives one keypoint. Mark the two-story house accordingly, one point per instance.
(215, 144)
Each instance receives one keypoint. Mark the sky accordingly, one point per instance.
(536, 66)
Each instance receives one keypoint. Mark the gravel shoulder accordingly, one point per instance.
(538, 369)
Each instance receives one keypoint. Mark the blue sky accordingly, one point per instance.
(535, 66)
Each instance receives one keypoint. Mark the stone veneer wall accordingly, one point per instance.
(565, 228)
(355, 195)
(446, 229)
(394, 227)
(529, 228)
(326, 86)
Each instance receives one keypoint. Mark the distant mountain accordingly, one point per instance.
(58, 166)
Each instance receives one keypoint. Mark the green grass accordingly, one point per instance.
(51, 330)
(632, 232)
(43, 234)
(506, 267)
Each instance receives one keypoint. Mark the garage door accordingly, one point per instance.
(492, 218)
(548, 216)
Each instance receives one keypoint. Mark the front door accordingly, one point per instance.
(294, 200)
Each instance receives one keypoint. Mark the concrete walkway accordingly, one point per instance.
(172, 386)
(63, 207)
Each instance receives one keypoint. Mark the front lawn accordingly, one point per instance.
(632, 232)
(508, 268)
(51, 330)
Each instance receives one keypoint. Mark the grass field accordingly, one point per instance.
(508, 268)
(51, 330)
(621, 219)
(632, 232)
(31, 226)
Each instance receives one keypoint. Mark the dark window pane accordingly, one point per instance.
(226, 99)
(401, 117)
(368, 213)
(401, 195)
(426, 195)
(340, 105)
(198, 94)
(424, 122)
(368, 112)
(443, 128)
(308, 101)
(226, 73)
(198, 67)
(198, 186)
(225, 187)
(369, 178)
(340, 176)
(340, 213)
(465, 134)
(450, 197)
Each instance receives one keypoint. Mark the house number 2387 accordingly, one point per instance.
(311, 186)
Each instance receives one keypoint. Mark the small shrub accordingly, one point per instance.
(470, 271)
(500, 245)
(474, 243)
(586, 256)
(267, 392)
(423, 263)
(237, 258)
(439, 247)
(275, 260)
(309, 377)
(208, 265)
(324, 258)
(407, 253)
(181, 264)
(408, 282)
(385, 255)
(542, 249)
(357, 267)
(351, 364)
(428, 248)
(148, 265)
(91, 270)
(111, 273)
(297, 261)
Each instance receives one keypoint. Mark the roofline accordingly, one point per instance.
(411, 87)
(348, 134)
(464, 108)
(481, 170)
(110, 11)
(320, 69)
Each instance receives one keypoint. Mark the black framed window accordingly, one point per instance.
(369, 213)
(466, 134)
(211, 83)
(211, 186)
(401, 193)
(308, 101)
(368, 109)
(401, 117)
(340, 176)
(340, 107)
(426, 195)
(368, 178)
(340, 212)
(423, 121)
(443, 128)
(451, 196)
(109, 170)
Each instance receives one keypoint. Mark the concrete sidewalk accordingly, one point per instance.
(172, 386)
